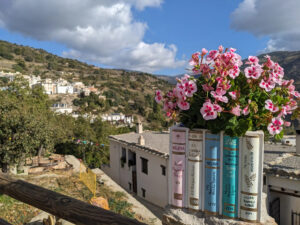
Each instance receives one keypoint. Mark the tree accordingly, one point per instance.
(24, 127)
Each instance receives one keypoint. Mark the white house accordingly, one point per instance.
(78, 87)
(139, 161)
(61, 108)
(49, 86)
(64, 89)
(289, 140)
(282, 182)
(117, 118)
(9, 75)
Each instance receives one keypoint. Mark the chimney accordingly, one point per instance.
(139, 126)
(141, 140)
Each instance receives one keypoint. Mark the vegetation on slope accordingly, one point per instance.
(128, 92)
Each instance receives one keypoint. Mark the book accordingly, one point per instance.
(230, 177)
(250, 175)
(212, 173)
(178, 151)
(194, 156)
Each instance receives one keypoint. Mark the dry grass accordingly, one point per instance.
(65, 183)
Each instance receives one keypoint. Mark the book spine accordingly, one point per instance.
(212, 173)
(195, 152)
(230, 177)
(178, 149)
(250, 178)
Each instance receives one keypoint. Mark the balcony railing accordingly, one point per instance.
(59, 205)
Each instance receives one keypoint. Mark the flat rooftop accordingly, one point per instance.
(154, 140)
(282, 160)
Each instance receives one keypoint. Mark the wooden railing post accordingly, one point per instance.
(60, 205)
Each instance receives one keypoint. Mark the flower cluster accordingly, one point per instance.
(178, 97)
(256, 98)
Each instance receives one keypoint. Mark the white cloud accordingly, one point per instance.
(103, 31)
(277, 19)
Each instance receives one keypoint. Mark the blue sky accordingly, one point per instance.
(149, 35)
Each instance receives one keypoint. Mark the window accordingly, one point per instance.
(129, 186)
(144, 165)
(163, 170)
(265, 180)
(144, 193)
(123, 158)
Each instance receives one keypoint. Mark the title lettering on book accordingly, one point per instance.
(178, 137)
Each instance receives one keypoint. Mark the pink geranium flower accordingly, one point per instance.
(190, 88)
(246, 110)
(158, 96)
(268, 85)
(234, 72)
(210, 111)
(252, 60)
(207, 88)
(195, 59)
(275, 126)
(269, 62)
(221, 48)
(232, 94)
(203, 52)
(236, 110)
(212, 55)
(183, 105)
(270, 106)
(218, 95)
(253, 71)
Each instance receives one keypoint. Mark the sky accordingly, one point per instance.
(155, 36)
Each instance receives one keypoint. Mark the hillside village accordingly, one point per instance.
(61, 87)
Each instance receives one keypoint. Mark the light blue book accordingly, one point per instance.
(212, 173)
(230, 177)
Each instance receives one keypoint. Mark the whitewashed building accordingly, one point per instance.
(64, 89)
(139, 161)
(282, 182)
(9, 75)
(78, 87)
(117, 118)
(289, 140)
(61, 108)
(48, 86)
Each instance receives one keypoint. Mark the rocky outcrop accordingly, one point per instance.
(74, 162)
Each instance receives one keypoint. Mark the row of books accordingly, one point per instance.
(216, 173)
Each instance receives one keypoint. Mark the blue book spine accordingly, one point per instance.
(212, 173)
(230, 177)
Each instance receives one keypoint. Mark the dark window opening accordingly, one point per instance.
(144, 193)
(144, 165)
(265, 180)
(163, 170)
(123, 158)
(129, 186)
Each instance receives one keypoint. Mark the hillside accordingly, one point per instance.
(128, 92)
(290, 61)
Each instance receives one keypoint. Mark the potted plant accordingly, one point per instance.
(225, 97)
(220, 96)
